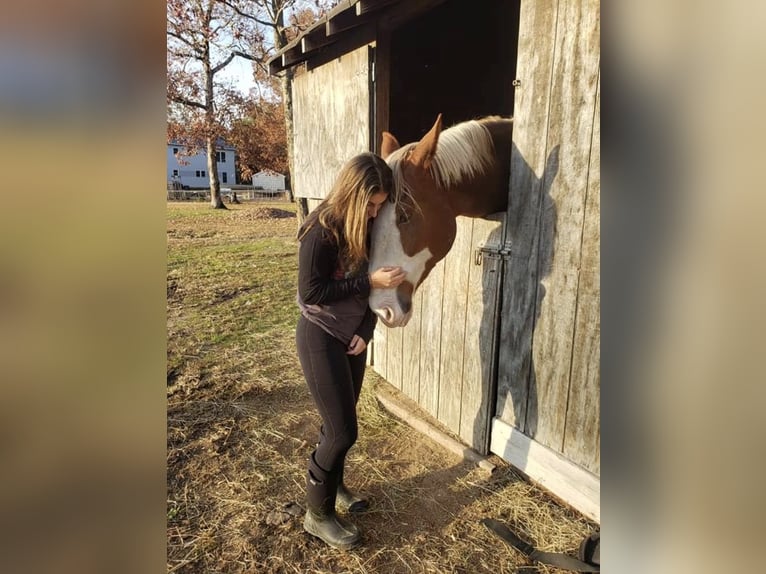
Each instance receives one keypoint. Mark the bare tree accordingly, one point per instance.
(204, 36)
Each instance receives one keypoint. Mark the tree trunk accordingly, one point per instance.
(280, 41)
(215, 186)
(303, 210)
(287, 99)
(210, 139)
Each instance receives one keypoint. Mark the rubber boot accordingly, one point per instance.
(349, 501)
(321, 520)
(331, 529)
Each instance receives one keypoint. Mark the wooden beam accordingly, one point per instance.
(359, 17)
(404, 11)
(349, 40)
(569, 482)
(276, 64)
(317, 39)
(408, 413)
(292, 56)
(347, 20)
(366, 6)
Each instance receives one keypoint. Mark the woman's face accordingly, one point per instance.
(373, 206)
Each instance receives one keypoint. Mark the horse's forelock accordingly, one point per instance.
(403, 190)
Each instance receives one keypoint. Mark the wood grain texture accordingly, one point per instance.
(570, 129)
(396, 357)
(430, 336)
(331, 117)
(483, 283)
(537, 34)
(582, 439)
(382, 84)
(380, 338)
(456, 270)
(411, 341)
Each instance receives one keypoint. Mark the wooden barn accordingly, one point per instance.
(503, 347)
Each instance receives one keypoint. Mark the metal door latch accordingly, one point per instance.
(490, 251)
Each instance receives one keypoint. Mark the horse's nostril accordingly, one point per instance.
(388, 314)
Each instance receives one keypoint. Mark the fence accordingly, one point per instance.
(227, 194)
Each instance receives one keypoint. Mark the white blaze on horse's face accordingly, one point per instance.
(394, 306)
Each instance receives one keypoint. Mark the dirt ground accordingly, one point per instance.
(241, 425)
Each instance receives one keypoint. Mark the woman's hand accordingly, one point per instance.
(387, 277)
(356, 346)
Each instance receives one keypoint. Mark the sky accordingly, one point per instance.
(240, 72)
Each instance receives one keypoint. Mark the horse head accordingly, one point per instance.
(414, 229)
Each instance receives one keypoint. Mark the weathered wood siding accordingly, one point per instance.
(548, 383)
(442, 358)
(331, 118)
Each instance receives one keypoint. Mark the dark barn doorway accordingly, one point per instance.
(458, 59)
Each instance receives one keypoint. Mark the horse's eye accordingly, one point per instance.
(402, 217)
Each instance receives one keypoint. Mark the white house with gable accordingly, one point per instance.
(191, 171)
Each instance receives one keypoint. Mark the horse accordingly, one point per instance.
(464, 170)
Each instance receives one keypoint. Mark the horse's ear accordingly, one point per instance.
(425, 150)
(390, 145)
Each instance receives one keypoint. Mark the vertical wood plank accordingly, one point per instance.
(381, 79)
(380, 338)
(537, 34)
(582, 440)
(456, 270)
(430, 338)
(477, 350)
(411, 340)
(382, 83)
(570, 127)
(395, 359)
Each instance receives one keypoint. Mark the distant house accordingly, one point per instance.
(269, 180)
(191, 171)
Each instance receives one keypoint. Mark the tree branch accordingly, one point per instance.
(223, 64)
(184, 101)
(182, 39)
(190, 55)
(245, 56)
(249, 16)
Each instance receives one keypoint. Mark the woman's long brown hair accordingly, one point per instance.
(344, 211)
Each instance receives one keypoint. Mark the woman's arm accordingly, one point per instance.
(317, 260)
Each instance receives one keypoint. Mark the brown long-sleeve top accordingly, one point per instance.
(327, 296)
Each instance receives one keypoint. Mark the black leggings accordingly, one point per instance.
(334, 380)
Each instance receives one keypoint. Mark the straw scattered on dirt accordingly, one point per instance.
(241, 426)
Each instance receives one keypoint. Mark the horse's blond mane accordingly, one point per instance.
(464, 150)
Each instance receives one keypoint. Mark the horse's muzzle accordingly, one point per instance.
(393, 306)
(391, 319)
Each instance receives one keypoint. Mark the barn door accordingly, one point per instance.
(548, 386)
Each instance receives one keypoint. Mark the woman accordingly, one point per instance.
(335, 326)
